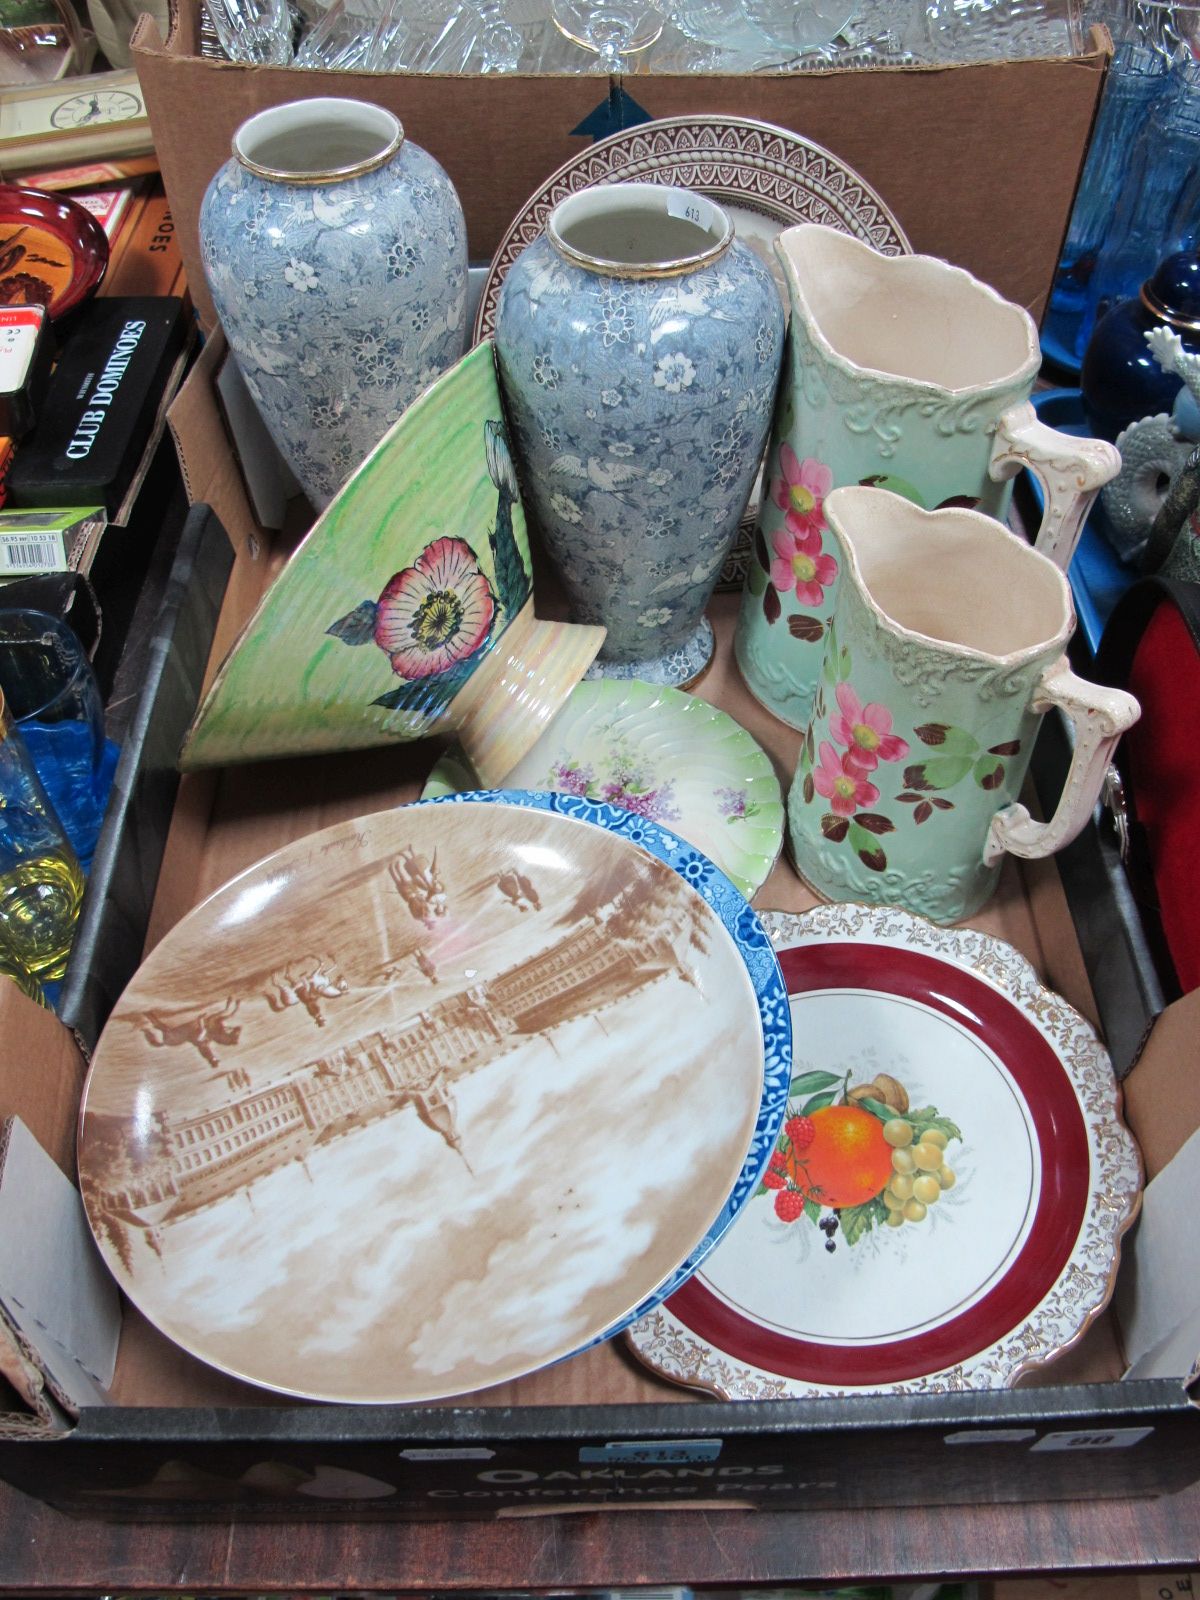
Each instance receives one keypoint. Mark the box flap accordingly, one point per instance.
(27, 1408)
(1158, 1291)
(269, 480)
(1162, 1092)
(54, 1288)
(1174, 1355)
(41, 1074)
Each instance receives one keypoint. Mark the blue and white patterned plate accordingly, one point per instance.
(435, 1097)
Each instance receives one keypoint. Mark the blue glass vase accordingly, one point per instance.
(1136, 79)
(1161, 177)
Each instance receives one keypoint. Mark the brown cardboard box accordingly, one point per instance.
(979, 163)
(516, 1449)
(1147, 1586)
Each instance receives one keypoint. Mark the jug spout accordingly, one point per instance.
(914, 323)
(917, 576)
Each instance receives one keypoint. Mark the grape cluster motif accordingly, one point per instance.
(853, 1158)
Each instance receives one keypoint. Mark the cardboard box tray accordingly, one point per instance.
(979, 162)
(181, 1441)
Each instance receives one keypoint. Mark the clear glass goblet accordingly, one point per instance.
(500, 44)
(612, 29)
(994, 30)
(735, 43)
(799, 24)
(337, 42)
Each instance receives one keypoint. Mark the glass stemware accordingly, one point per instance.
(986, 30)
(1171, 29)
(500, 44)
(612, 29)
(734, 41)
(799, 24)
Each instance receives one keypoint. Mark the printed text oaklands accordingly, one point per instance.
(102, 395)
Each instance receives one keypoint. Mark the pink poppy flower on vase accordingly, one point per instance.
(800, 566)
(801, 491)
(436, 612)
(866, 731)
(846, 790)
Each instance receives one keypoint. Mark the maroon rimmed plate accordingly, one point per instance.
(945, 1204)
(53, 251)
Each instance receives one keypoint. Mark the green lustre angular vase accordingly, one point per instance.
(407, 609)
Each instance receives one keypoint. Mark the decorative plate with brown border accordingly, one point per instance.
(393, 1115)
(945, 1203)
(767, 177)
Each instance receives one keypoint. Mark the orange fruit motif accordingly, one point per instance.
(848, 1162)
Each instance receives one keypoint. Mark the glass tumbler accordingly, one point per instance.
(15, 970)
(55, 702)
(41, 882)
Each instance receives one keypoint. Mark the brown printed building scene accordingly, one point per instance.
(488, 998)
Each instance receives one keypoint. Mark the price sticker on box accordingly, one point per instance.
(49, 541)
(1093, 1439)
(653, 1452)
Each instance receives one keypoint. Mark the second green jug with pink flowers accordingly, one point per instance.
(946, 648)
(907, 374)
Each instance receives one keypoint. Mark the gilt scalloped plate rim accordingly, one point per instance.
(754, 862)
(615, 160)
(1116, 1185)
(748, 942)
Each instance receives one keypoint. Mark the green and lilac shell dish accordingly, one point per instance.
(662, 754)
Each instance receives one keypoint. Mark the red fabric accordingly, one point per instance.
(1162, 757)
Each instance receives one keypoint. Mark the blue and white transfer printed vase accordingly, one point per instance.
(336, 253)
(639, 347)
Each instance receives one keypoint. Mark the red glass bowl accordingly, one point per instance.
(53, 251)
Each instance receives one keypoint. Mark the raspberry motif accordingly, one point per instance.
(778, 1162)
(789, 1203)
(773, 1180)
(800, 1131)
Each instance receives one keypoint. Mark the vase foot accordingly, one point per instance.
(517, 690)
(675, 669)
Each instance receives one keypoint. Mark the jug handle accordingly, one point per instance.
(1071, 472)
(1099, 717)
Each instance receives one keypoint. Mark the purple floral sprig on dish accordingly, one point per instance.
(626, 788)
(735, 805)
(656, 804)
(573, 780)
